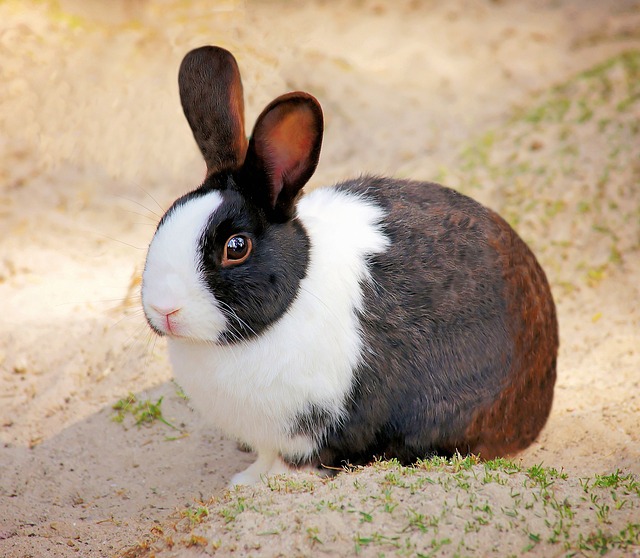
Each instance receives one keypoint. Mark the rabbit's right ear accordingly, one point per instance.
(212, 100)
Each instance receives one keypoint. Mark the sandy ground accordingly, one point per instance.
(94, 147)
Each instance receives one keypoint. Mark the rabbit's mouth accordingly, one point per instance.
(164, 321)
(170, 321)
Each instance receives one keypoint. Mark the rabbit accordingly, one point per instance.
(375, 318)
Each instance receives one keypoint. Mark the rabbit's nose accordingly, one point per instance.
(165, 310)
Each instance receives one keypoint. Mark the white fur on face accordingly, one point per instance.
(171, 281)
(254, 390)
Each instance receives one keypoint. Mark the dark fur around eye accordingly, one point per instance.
(257, 292)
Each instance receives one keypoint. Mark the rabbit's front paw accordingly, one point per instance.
(267, 464)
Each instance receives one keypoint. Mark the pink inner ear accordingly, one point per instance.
(289, 145)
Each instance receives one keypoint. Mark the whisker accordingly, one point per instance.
(124, 318)
(152, 199)
(130, 200)
(119, 301)
(152, 340)
(151, 220)
(231, 313)
(117, 240)
(132, 343)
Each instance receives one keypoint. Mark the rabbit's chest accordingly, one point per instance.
(257, 391)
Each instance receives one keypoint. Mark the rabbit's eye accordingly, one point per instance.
(236, 250)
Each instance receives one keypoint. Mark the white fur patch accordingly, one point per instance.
(254, 390)
(171, 282)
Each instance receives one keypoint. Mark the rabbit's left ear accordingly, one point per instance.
(283, 153)
(211, 96)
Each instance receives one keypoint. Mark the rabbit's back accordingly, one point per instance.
(460, 333)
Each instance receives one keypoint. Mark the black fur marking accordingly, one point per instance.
(255, 294)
